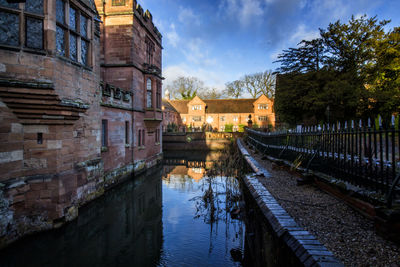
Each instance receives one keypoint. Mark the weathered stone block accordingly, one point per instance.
(11, 156)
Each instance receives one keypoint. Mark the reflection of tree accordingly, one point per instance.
(220, 200)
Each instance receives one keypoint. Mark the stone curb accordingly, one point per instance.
(304, 245)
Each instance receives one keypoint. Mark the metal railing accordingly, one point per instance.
(363, 155)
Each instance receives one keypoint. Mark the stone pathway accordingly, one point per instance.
(345, 232)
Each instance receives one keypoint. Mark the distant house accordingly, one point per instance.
(221, 113)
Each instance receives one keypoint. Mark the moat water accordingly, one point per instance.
(174, 216)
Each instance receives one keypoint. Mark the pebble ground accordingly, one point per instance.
(345, 232)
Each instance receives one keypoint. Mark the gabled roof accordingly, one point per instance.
(180, 105)
(230, 105)
(168, 105)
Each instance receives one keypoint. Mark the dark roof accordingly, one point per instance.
(168, 105)
(230, 105)
(180, 105)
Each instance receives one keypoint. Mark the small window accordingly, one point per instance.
(127, 132)
(235, 118)
(262, 118)
(143, 138)
(196, 107)
(158, 94)
(235, 128)
(196, 118)
(222, 128)
(104, 133)
(262, 106)
(184, 119)
(222, 118)
(139, 137)
(118, 2)
(157, 136)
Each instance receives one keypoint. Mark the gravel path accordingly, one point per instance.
(349, 235)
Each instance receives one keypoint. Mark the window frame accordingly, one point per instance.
(121, 3)
(80, 38)
(104, 133)
(23, 16)
(197, 117)
(127, 133)
(196, 107)
(158, 95)
(149, 91)
(263, 106)
(150, 48)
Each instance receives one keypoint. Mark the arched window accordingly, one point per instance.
(149, 94)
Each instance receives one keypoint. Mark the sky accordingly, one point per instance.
(219, 41)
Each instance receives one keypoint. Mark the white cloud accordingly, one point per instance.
(332, 9)
(186, 15)
(302, 34)
(196, 52)
(210, 77)
(172, 36)
(247, 11)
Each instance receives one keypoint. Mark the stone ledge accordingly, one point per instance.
(304, 245)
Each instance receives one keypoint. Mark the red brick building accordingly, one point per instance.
(131, 90)
(80, 106)
(219, 113)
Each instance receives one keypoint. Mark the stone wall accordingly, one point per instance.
(51, 112)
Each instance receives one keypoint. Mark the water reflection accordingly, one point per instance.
(199, 214)
(124, 227)
(180, 215)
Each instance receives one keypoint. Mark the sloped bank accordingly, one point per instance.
(293, 245)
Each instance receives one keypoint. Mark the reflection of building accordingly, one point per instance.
(182, 173)
(221, 113)
(122, 228)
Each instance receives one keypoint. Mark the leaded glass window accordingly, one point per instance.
(72, 18)
(83, 22)
(73, 37)
(34, 33)
(72, 47)
(149, 94)
(9, 28)
(60, 38)
(60, 13)
(34, 6)
(84, 51)
(4, 3)
(18, 22)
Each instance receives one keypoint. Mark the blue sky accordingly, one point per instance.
(219, 41)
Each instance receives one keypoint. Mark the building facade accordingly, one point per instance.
(221, 114)
(80, 106)
(131, 86)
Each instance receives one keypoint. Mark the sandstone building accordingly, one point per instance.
(221, 113)
(80, 105)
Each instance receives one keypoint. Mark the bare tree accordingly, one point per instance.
(252, 84)
(234, 89)
(267, 83)
(210, 93)
(185, 87)
(255, 84)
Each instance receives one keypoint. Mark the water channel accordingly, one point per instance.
(175, 215)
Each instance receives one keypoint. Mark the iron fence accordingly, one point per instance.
(366, 156)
